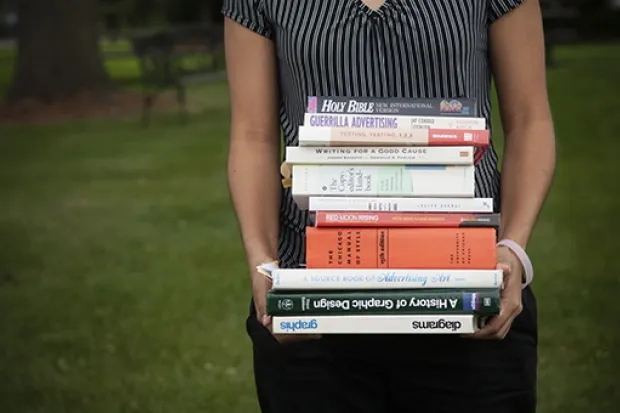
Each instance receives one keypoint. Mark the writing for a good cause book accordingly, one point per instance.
(395, 106)
(420, 248)
(328, 279)
(381, 180)
(379, 324)
(404, 219)
(386, 155)
(441, 301)
(400, 204)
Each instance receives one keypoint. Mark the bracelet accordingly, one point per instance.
(522, 255)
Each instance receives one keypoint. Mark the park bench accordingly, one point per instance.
(176, 58)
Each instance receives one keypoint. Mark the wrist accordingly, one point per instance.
(522, 257)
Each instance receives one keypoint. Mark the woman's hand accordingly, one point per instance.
(511, 304)
(260, 285)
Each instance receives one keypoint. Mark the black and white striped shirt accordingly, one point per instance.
(406, 48)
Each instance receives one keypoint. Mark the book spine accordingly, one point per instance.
(482, 302)
(402, 136)
(381, 180)
(392, 106)
(404, 219)
(379, 324)
(386, 155)
(392, 121)
(303, 279)
(402, 248)
(451, 205)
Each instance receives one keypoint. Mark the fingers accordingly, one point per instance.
(499, 326)
(261, 285)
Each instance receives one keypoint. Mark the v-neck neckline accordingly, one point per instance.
(369, 9)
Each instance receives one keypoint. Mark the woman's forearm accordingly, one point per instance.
(527, 172)
(255, 187)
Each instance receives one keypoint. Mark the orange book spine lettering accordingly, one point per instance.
(401, 248)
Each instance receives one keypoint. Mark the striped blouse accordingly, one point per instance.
(406, 48)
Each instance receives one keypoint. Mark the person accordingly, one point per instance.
(279, 52)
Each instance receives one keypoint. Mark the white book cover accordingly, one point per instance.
(351, 136)
(360, 204)
(377, 324)
(381, 180)
(381, 155)
(372, 121)
(381, 279)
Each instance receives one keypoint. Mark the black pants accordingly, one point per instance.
(399, 373)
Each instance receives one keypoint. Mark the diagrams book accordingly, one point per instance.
(393, 106)
(381, 180)
(354, 136)
(404, 219)
(395, 204)
(379, 324)
(404, 248)
(325, 279)
(431, 301)
(382, 155)
(392, 121)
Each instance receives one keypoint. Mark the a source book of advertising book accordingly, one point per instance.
(328, 279)
(386, 155)
(400, 204)
(393, 106)
(379, 324)
(381, 180)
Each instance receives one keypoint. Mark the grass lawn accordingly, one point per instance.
(123, 287)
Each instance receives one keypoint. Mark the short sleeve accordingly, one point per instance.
(250, 14)
(497, 8)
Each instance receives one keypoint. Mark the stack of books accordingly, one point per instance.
(399, 244)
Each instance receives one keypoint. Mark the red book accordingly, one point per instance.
(404, 219)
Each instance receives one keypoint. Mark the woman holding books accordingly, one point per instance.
(278, 53)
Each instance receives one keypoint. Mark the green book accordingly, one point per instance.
(428, 301)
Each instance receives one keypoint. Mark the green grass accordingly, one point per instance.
(122, 287)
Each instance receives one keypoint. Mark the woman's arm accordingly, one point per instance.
(518, 60)
(517, 55)
(254, 155)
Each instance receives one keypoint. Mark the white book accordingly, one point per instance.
(352, 136)
(359, 204)
(303, 279)
(381, 180)
(373, 121)
(381, 155)
(378, 324)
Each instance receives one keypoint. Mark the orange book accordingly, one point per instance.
(401, 248)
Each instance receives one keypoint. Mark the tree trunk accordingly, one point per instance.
(58, 50)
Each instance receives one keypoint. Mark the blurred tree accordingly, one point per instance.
(192, 11)
(58, 50)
